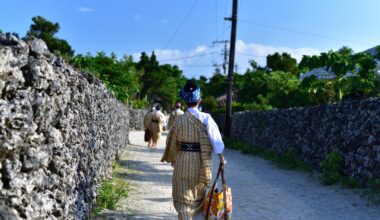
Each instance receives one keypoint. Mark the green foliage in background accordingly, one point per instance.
(282, 62)
(160, 83)
(46, 30)
(120, 76)
(277, 85)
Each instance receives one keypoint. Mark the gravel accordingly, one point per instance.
(260, 190)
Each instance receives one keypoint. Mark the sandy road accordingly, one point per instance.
(260, 190)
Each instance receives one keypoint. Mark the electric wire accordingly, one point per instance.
(189, 57)
(181, 24)
(299, 31)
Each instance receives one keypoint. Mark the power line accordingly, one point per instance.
(188, 57)
(181, 24)
(300, 32)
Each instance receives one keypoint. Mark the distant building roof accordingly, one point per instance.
(327, 73)
(222, 100)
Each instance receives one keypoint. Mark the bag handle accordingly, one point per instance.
(220, 171)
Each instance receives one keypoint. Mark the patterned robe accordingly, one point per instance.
(192, 170)
(156, 127)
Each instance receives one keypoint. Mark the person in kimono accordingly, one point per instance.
(147, 120)
(174, 114)
(189, 145)
(157, 125)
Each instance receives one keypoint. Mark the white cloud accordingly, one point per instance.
(85, 9)
(200, 59)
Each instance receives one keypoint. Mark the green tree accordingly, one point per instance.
(309, 62)
(120, 76)
(283, 62)
(255, 84)
(46, 30)
(217, 85)
(377, 55)
(160, 83)
(345, 51)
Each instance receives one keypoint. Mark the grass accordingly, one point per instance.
(111, 191)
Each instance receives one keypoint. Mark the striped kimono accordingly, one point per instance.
(192, 170)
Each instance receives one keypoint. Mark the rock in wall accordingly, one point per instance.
(136, 119)
(352, 128)
(60, 132)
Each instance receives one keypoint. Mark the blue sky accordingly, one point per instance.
(175, 29)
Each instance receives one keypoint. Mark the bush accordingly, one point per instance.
(140, 104)
(331, 168)
(351, 182)
(373, 193)
(110, 192)
(209, 104)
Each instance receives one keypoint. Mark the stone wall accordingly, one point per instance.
(136, 119)
(60, 132)
(351, 128)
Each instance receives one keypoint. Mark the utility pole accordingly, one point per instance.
(224, 66)
(233, 19)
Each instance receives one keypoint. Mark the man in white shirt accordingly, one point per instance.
(190, 142)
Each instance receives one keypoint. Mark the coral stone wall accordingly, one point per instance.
(352, 128)
(136, 120)
(60, 132)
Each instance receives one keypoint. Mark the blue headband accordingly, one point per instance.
(191, 96)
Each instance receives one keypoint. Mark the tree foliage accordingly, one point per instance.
(46, 30)
(120, 76)
(282, 62)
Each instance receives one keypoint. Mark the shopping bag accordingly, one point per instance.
(147, 135)
(217, 204)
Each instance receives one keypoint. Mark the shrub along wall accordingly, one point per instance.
(60, 132)
(350, 128)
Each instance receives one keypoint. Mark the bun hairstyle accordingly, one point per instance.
(158, 107)
(190, 86)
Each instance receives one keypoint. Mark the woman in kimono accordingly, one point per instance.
(177, 112)
(157, 123)
(192, 138)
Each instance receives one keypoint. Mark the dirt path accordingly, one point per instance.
(260, 190)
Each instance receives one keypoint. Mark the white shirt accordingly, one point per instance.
(212, 129)
(178, 110)
(163, 117)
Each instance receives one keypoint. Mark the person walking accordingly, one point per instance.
(157, 125)
(147, 121)
(174, 114)
(189, 145)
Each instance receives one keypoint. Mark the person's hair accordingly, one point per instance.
(158, 107)
(177, 104)
(190, 86)
(192, 104)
